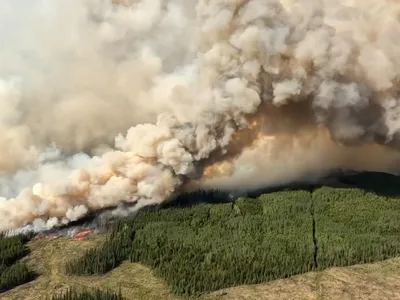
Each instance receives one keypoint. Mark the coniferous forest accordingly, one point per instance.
(13, 272)
(207, 241)
(214, 243)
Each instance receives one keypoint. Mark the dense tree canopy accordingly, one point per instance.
(215, 244)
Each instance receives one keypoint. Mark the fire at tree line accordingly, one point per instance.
(192, 242)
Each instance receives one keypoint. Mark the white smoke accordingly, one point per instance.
(257, 83)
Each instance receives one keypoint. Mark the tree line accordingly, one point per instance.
(92, 294)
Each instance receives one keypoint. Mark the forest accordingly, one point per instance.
(13, 272)
(205, 241)
(213, 243)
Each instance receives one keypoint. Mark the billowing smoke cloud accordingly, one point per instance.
(77, 73)
(226, 93)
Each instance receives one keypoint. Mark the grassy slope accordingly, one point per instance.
(372, 281)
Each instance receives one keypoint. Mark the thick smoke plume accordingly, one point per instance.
(214, 93)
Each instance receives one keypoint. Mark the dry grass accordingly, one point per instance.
(378, 281)
(374, 281)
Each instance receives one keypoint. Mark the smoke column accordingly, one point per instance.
(105, 103)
